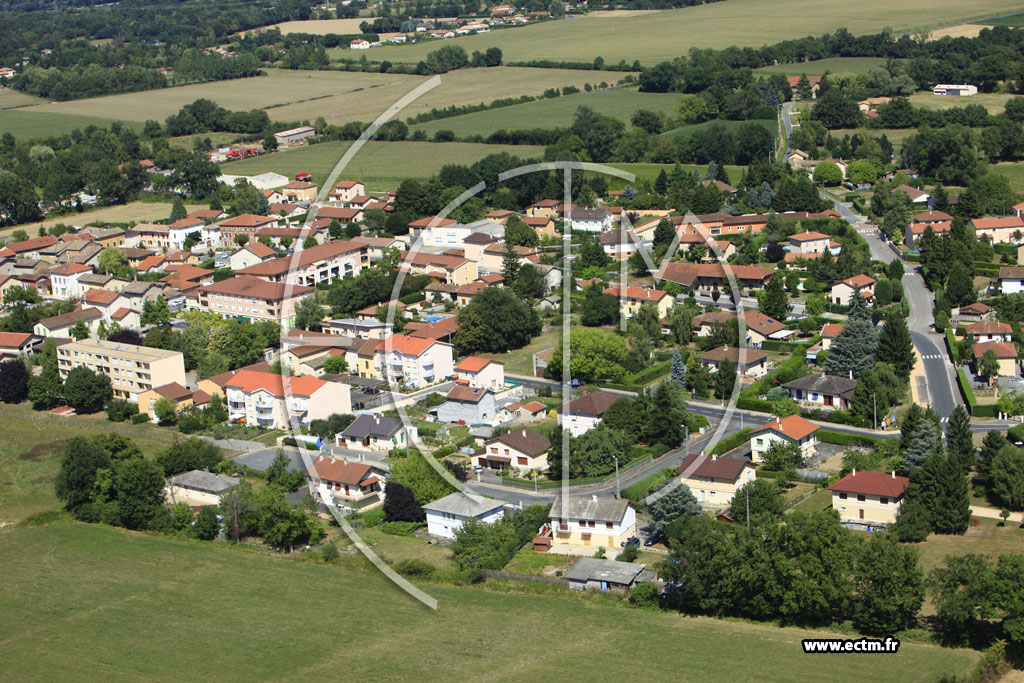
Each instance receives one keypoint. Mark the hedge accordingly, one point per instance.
(913, 258)
(652, 373)
(400, 528)
(139, 418)
(952, 346)
(731, 442)
(756, 404)
(988, 410)
(1016, 434)
(776, 345)
(842, 439)
(414, 297)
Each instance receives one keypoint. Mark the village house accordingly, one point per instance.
(453, 270)
(916, 196)
(521, 449)
(544, 226)
(868, 499)
(711, 277)
(822, 391)
(301, 191)
(345, 190)
(809, 243)
(478, 372)
(619, 244)
(448, 234)
(467, 406)
(748, 363)
(15, 344)
(607, 575)
(197, 488)
(377, 433)
(264, 399)
(632, 298)
(829, 332)
(105, 301)
(356, 327)
(64, 280)
(247, 224)
(586, 412)
(714, 480)
(250, 255)
(842, 291)
(1006, 354)
(446, 516)
(346, 483)
(589, 521)
(547, 208)
(342, 214)
(974, 313)
(59, 326)
(790, 429)
(1011, 279)
(252, 299)
(1007, 229)
(590, 220)
(182, 397)
(990, 331)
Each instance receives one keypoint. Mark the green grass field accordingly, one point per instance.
(650, 172)
(1013, 171)
(100, 603)
(1014, 20)
(380, 165)
(29, 122)
(835, 65)
(896, 135)
(139, 212)
(994, 102)
(658, 36)
(30, 455)
(12, 98)
(771, 124)
(553, 113)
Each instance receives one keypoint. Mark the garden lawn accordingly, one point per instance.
(27, 122)
(1014, 173)
(832, 65)
(133, 212)
(520, 361)
(994, 102)
(94, 602)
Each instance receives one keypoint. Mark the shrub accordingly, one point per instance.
(628, 554)
(415, 567)
(731, 442)
(841, 439)
(329, 553)
(400, 528)
(374, 517)
(139, 418)
(119, 410)
(644, 595)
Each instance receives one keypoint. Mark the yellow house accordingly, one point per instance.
(181, 396)
(632, 298)
(1005, 352)
(870, 499)
(587, 521)
(713, 480)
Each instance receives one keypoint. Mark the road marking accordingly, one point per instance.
(932, 356)
(944, 420)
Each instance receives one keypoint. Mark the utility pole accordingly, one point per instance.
(616, 458)
(748, 507)
(874, 403)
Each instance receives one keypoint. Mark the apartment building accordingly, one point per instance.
(265, 399)
(132, 369)
(253, 299)
(247, 224)
(412, 362)
(310, 267)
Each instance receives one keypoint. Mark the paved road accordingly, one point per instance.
(939, 372)
(787, 120)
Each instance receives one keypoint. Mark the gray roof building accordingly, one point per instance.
(590, 570)
(373, 425)
(206, 482)
(590, 507)
(463, 504)
(823, 384)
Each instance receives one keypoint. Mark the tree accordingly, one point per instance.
(1006, 477)
(496, 321)
(187, 455)
(596, 355)
(80, 331)
(125, 336)
(638, 265)
(308, 314)
(854, 349)
(888, 586)
(988, 365)
(510, 263)
(774, 303)
(960, 440)
(598, 308)
(782, 456)
(166, 410)
(140, 492)
(912, 523)
(113, 261)
(236, 504)
(725, 379)
(962, 591)
(335, 365)
(675, 501)
(14, 380)
(280, 523)
(944, 494)
(763, 497)
(518, 233)
(77, 474)
(828, 172)
(923, 442)
(178, 210)
(815, 304)
(895, 346)
(592, 255)
(45, 389)
(415, 473)
(836, 110)
(992, 443)
(206, 526)
(529, 283)
(155, 312)
(241, 239)
(959, 286)
(87, 391)
(678, 369)
(400, 504)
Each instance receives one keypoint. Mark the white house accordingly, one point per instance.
(843, 291)
(589, 521)
(346, 483)
(590, 220)
(1011, 279)
(990, 331)
(446, 516)
(478, 373)
(791, 429)
(585, 412)
(823, 391)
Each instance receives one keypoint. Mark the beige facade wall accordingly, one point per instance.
(131, 369)
(867, 511)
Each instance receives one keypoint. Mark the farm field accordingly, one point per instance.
(338, 96)
(318, 27)
(896, 135)
(380, 165)
(139, 212)
(655, 37)
(29, 122)
(650, 172)
(83, 598)
(993, 102)
(30, 455)
(12, 98)
(553, 113)
(834, 65)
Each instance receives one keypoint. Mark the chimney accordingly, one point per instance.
(894, 474)
(524, 433)
(855, 471)
(594, 497)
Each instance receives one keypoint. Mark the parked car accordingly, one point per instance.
(632, 540)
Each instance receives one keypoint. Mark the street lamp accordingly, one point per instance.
(616, 458)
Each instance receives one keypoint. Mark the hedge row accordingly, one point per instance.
(776, 345)
(413, 297)
(731, 442)
(842, 439)
(756, 404)
(952, 346)
(652, 373)
(989, 410)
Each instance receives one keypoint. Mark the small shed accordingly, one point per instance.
(606, 575)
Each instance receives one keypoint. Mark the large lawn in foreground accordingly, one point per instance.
(88, 602)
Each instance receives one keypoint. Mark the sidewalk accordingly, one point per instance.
(993, 513)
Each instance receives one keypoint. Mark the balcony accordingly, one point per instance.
(428, 362)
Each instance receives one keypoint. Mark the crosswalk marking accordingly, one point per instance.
(932, 356)
(944, 420)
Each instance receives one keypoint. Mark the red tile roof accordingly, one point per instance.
(473, 364)
(256, 288)
(793, 426)
(696, 465)
(989, 327)
(340, 471)
(872, 484)
(1002, 349)
(277, 385)
(411, 346)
